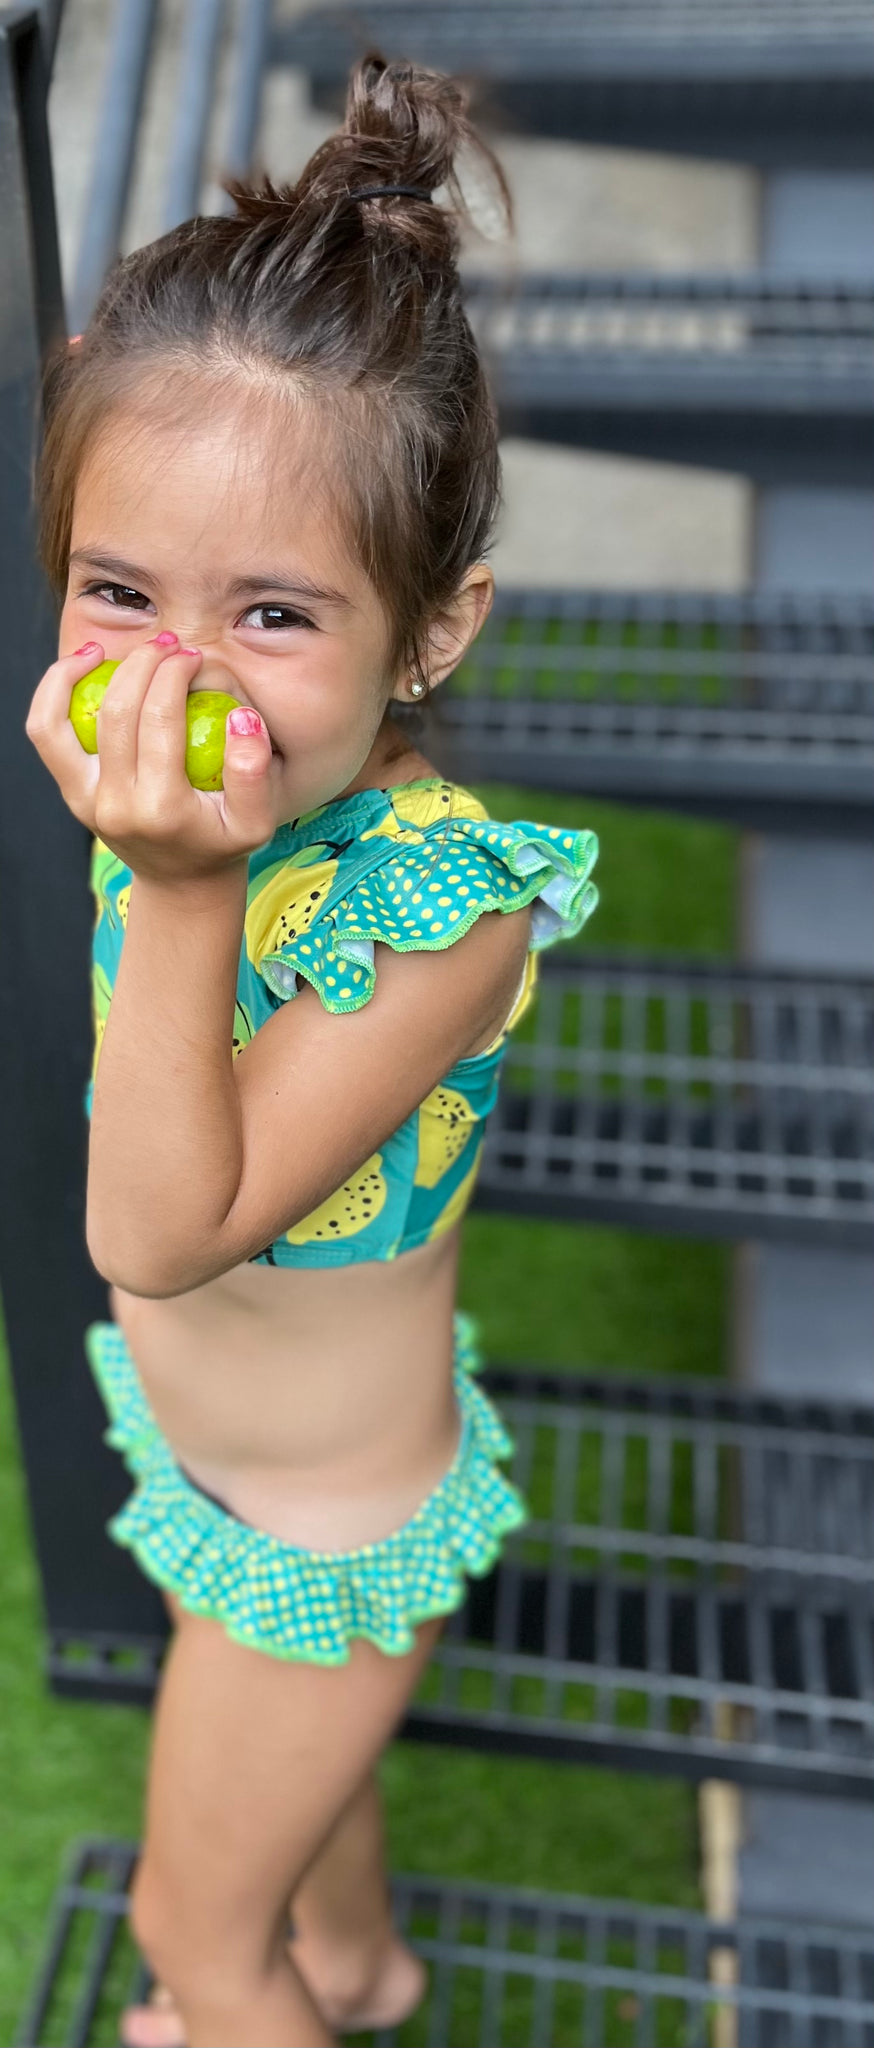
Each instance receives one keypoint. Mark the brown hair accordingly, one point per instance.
(356, 302)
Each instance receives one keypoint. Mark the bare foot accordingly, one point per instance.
(396, 1989)
(395, 1992)
(155, 2025)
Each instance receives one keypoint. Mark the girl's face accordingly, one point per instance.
(201, 532)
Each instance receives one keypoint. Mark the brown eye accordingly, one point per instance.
(279, 617)
(132, 600)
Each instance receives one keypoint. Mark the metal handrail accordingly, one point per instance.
(112, 169)
(50, 13)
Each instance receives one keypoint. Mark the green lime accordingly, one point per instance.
(205, 714)
(85, 703)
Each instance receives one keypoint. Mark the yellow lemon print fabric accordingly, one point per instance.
(412, 868)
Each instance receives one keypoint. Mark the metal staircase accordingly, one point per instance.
(692, 1594)
(756, 80)
(754, 708)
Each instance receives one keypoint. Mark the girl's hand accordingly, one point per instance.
(134, 793)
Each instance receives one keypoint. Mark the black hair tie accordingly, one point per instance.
(391, 192)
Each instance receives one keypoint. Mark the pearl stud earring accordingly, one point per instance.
(417, 687)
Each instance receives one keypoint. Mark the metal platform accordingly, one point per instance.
(769, 83)
(508, 1968)
(689, 1097)
(758, 709)
(693, 1593)
(735, 371)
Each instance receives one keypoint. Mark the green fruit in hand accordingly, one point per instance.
(205, 714)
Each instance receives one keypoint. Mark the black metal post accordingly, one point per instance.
(50, 1288)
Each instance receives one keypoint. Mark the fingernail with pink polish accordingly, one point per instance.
(90, 647)
(165, 640)
(244, 724)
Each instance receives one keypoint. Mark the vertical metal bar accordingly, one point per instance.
(597, 1934)
(117, 129)
(50, 1288)
(567, 1456)
(494, 1977)
(543, 2002)
(50, 27)
(197, 68)
(249, 65)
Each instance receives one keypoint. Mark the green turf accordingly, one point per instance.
(564, 1295)
(560, 1295)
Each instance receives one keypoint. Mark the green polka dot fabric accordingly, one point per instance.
(423, 863)
(283, 1599)
(412, 868)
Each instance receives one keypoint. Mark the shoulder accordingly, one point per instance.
(423, 868)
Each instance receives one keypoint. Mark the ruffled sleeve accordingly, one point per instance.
(419, 890)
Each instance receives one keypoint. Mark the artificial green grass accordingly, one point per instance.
(559, 1295)
(576, 1294)
(565, 1295)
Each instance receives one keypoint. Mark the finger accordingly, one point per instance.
(49, 728)
(163, 725)
(246, 776)
(120, 713)
(50, 703)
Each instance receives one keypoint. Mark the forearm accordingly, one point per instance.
(165, 1154)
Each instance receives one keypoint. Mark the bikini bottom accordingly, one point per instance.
(283, 1598)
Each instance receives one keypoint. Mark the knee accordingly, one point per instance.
(183, 1944)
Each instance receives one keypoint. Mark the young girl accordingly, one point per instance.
(270, 469)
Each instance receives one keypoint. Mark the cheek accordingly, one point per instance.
(329, 692)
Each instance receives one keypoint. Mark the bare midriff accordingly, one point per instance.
(316, 1403)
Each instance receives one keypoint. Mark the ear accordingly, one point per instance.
(451, 634)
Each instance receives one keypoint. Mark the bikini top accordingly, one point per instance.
(411, 867)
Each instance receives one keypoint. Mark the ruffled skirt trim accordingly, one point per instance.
(281, 1598)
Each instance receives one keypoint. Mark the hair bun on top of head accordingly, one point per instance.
(403, 131)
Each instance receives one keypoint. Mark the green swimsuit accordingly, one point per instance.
(412, 868)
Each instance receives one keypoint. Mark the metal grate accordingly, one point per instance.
(693, 1592)
(641, 338)
(778, 39)
(738, 372)
(743, 81)
(508, 1967)
(744, 707)
(689, 1097)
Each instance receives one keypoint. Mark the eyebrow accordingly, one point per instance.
(241, 586)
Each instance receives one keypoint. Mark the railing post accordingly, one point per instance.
(50, 1288)
(806, 1314)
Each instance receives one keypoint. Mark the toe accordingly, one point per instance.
(156, 2025)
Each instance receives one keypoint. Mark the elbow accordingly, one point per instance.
(131, 1279)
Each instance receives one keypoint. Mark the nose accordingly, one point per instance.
(214, 672)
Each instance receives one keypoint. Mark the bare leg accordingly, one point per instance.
(254, 1763)
(359, 1970)
(352, 1960)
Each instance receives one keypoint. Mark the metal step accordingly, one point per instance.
(759, 709)
(507, 1967)
(768, 83)
(693, 1593)
(744, 372)
(689, 1097)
